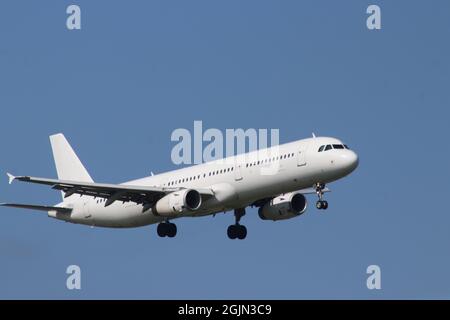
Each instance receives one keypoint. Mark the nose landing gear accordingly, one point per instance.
(237, 231)
(320, 204)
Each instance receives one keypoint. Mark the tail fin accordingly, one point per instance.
(68, 166)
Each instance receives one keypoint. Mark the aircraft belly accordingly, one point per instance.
(119, 215)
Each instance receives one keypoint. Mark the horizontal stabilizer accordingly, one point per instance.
(36, 207)
(11, 178)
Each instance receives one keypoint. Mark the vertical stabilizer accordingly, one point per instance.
(68, 165)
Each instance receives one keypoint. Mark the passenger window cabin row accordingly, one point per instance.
(197, 177)
(221, 171)
(332, 146)
(269, 160)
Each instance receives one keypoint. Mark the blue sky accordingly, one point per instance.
(138, 70)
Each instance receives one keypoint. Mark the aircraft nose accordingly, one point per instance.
(351, 160)
(348, 161)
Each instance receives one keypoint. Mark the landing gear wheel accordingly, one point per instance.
(167, 229)
(242, 232)
(237, 231)
(172, 230)
(161, 230)
(231, 232)
(320, 204)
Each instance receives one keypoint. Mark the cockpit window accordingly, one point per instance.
(332, 146)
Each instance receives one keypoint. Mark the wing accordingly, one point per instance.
(145, 195)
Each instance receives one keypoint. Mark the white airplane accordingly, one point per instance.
(275, 179)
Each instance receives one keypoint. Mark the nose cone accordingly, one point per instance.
(348, 161)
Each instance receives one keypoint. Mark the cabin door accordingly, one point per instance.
(86, 210)
(301, 156)
(237, 172)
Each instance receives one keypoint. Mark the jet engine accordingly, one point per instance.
(178, 203)
(285, 206)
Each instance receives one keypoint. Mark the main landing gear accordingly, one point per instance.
(321, 204)
(237, 231)
(167, 229)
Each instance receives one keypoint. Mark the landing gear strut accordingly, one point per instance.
(320, 204)
(237, 231)
(167, 229)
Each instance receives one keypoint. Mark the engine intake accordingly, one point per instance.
(178, 203)
(285, 206)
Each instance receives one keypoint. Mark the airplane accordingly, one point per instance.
(274, 179)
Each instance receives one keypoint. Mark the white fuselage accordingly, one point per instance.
(235, 181)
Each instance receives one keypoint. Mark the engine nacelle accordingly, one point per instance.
(286, 206)
(178, 203)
